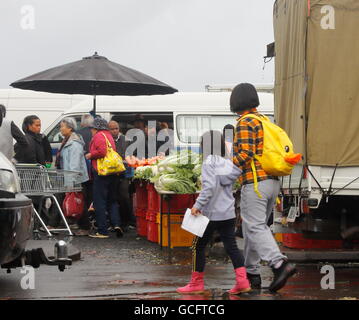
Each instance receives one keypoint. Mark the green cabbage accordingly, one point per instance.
(178, 172)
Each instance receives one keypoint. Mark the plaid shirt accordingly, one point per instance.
(248, 142)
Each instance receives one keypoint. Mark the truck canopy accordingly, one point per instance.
(317, 78)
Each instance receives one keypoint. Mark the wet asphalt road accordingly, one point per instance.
(134, 268)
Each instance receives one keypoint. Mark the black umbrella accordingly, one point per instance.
(95, 75)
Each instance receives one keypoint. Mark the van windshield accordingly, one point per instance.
(191, 127)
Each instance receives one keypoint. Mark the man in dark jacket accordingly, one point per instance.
(126, 212)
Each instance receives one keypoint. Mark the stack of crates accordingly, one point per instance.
(140, 207)
(153, 210)
(178, 204)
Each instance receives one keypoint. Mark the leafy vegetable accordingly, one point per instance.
(171, 182)
(180, 172)
(144, 173)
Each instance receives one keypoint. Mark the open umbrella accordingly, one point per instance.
(94, 75)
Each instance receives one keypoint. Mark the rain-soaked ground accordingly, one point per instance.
(134, 268)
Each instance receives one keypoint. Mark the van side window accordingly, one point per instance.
(191, 127)
(125, 119)
(55, 136)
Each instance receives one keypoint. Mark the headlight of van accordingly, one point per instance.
(8, 181)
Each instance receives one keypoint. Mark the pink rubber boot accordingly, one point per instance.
(196, 285)
(242, 283)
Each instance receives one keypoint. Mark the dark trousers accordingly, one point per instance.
(105, 199)
(226, 230)
(124, 199)
(87, 190)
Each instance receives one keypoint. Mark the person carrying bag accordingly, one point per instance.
(110, 164)
(263, 152)
(106, 164)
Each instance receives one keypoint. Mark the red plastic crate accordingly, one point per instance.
(297, 241)
(152, 226)
(153, 198)
(140, 197)
(178, 202)
(141, 226)
(151, 215)
(141, 213)
(152, 231)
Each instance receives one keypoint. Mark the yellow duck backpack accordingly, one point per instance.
(278, 157)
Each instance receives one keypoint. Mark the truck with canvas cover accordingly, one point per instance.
(317, 103)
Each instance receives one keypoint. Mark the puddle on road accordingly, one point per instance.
(213, 294)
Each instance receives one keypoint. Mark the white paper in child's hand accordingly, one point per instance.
(194, 224)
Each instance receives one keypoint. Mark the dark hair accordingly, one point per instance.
(244, 97)
(3, 110)
(212, 143)
(28, 121)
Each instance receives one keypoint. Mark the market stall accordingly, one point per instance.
(165, 188)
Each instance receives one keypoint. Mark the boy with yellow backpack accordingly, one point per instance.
(264, 152)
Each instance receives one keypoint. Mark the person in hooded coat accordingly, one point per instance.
(259, 243)
(104, 193)
(216, 201)
(8, 132)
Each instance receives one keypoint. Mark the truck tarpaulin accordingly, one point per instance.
(317, 78)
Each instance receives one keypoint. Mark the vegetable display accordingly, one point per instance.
(179, 172)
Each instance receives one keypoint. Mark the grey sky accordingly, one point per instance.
(185, 43)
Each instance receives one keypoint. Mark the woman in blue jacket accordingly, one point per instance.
(71, 156)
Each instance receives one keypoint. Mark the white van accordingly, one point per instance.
(184, 112)
(47, 106)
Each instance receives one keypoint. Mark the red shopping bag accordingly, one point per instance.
(73, 205)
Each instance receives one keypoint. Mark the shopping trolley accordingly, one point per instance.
(39, 181)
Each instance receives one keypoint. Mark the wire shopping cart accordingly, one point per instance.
(39, 181)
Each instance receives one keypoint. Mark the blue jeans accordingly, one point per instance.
(105, 199)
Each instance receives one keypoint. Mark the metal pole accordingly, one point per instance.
(169, 229)
(161, 222)
(94, 105)
(94, 85)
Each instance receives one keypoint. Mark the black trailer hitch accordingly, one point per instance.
(36, 257)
